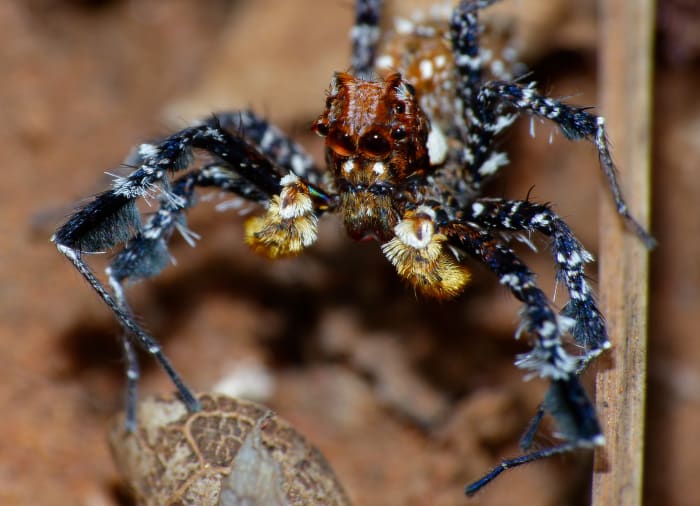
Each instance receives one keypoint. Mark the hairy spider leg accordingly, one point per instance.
(548, 358)
(484, 107)
(112, 218)
(273, 143)
(477, 126)
(148, 342)
(566, 399)
(588, 328)
(574, 122)
(520, 215)
(365, 35)
(146, 254)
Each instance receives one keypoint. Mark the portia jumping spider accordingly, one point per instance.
(409, 138)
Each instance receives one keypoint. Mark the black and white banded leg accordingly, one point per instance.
(272, 142)
(365, 36)
(574, 122)
(477, 125)
(588, 326)
(112, 218)
(566, 399)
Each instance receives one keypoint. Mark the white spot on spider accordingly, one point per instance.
(493, 163)
(298, 165)
(385, 61)
(364, 33)
(574, 259)
(407, 235)
(440, 61)
(214, 133)
(348, 165)
(294, 205)
(598, 440)
(428, 211)
(465, 60)
(426, 69)
(289, 179)
(548, 330)
(510, 280)
(148, 150)
(403, 26)
(267, 139)
(540, 219)
(437, 146)
(468, 155)
(379, 168)
(419, 238)
(477, 209)
(502, 122)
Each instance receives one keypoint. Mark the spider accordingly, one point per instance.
(410, 138)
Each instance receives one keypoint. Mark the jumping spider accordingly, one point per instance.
(409, 140)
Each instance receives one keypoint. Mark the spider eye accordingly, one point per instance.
(374, 143)
(399, 108)
(320, 128)
(398, 133)
(341, 143)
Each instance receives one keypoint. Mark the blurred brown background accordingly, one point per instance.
(408, 399)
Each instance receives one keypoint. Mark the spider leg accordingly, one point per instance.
(273, 143)
(588, 329)
(146, 254)
(112, 218)
(548, 359)
(365, 35)
(132, 382)
(477, 126)
(515, 216)
(148, 342)
(566, 399)
(575, 123)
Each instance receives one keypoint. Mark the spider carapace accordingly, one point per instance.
(411, 136)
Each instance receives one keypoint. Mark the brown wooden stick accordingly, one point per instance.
(626, 65)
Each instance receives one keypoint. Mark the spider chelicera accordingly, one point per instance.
(410, 139)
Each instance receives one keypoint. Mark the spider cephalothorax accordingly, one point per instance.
(375, 136)
(409, 138)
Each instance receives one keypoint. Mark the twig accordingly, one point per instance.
(626, 65)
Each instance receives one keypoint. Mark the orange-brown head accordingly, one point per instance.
(376, 137)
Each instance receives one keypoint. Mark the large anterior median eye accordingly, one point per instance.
(374, 143)
(341, 143)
